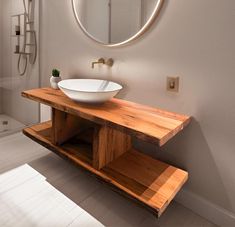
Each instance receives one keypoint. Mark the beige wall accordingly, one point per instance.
(191, 39)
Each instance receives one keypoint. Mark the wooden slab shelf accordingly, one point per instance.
(147, 180)
(147, 123)
(98, 138)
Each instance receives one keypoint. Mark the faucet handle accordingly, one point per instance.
(109, 62)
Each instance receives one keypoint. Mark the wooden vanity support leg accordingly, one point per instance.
(108, 144)
(66, 126)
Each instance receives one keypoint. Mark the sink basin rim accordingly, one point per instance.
(90, 91)
(119, 87)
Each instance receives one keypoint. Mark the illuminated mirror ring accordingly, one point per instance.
(92, 23)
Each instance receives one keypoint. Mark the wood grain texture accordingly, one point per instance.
(144, 179)
(154, 182)
(108, 145)
(146, 123)
(66, 126)
(41, 133)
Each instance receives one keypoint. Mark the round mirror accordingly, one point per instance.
(115, 22)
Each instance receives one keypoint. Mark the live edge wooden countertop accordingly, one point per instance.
(147, 123)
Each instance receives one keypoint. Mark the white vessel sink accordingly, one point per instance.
(89, 90)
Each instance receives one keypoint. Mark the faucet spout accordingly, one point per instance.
(100, 61)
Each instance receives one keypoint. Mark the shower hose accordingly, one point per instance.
(23, 53)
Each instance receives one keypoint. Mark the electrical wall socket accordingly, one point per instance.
(172, 84)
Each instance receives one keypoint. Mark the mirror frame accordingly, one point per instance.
(134, 37)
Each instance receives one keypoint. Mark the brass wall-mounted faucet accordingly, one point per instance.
(100, 61)
(109, 62)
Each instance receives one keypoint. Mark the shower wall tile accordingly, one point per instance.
(12, 83)
(0, 55)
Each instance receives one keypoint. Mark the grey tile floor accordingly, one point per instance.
(106, 206)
